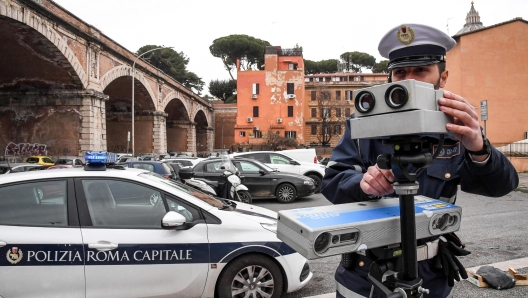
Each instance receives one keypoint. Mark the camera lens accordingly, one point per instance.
(321, 243)
(441, 223)
(396, 96)
(364, 102)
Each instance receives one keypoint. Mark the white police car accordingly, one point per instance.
(99, 232)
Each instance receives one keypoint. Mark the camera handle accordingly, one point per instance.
(404, 284)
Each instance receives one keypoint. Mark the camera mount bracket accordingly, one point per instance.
(406, 283)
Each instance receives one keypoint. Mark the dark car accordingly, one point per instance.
(158, 167)
(261, 180)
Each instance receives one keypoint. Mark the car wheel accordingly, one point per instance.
(251, 275)
(245, 196)
(317, 182)
(286, 193)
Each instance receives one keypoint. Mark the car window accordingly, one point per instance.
(144, 166)
(247, 167)
(3, 170)
(190, 213)
(120, 204)
(17, 169)
(47, 160)
(63, 161)
(34, 204)
(184, 163)
(214, 167)
(279, 159)
(166, 169)
(78, 162)
(32, 159)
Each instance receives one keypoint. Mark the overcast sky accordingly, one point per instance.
(325, 29)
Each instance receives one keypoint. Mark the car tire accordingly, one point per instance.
(240, 275)
(245, 196)
(317, 182)
(286, 193)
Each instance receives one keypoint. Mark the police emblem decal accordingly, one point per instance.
(405, 35)
(14, 255)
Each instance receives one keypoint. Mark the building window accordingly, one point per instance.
(338, 94)
(325, 113)
(338, 112)
(337, 129)
(292, 66)
(242, 133)
(348, 94)
(255, 88)
(347, 112)
(258, 134)
(290, 134)
(314, 95)
(325, 95)
(314, 112)
(326, 130)
(290, 88)
(314, 130)
(255, 111)
(290, 111)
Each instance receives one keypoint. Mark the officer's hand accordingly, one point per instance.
(446, 259)
(466, 127)
(377, 181)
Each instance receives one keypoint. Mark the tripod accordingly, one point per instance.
(405, 283)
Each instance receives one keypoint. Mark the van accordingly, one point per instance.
(305, 155)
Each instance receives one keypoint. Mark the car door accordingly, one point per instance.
(283, 163)
(259, 184)
(128, 254)
(213, 171)
(41, 251)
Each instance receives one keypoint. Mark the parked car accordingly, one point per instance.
(261, 180)
(288, 164)
(71, 162)
(41, 160)
(59, 167)
(132, 233)
(308, 155)
(185, 161)
(158, 167)
(20, 167)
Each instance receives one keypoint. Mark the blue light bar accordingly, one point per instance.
(98, 160)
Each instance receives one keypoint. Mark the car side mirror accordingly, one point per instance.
(173, 220)
(262, 172)
(293, 162)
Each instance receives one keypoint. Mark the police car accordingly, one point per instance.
(121, 232)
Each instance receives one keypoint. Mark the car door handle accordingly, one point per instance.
(2, 243)
(103, 245)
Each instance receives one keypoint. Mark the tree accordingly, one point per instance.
(276, 141)
(174, 64)
(355, 61)
(381, 67)
(327, 106)
(223, 89)
(248, 49)
(323, 66)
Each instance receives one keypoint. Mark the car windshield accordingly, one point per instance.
(63, 161)
(181, 187)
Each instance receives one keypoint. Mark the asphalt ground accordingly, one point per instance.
(493, 229)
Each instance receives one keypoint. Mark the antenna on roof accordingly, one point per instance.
(447, 25)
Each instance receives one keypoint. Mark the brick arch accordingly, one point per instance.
(42, 25)
(126, 71)
(176, 95)
(198, 108)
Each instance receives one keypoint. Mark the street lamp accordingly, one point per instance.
(133, 77)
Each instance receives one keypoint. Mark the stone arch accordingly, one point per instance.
(176, 95)
(198, 108)
(42, 25)
(122, 71)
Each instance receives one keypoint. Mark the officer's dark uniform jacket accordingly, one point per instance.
(439, 181)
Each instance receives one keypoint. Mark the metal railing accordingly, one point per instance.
(513, 149)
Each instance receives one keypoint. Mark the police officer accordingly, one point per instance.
(468, 159)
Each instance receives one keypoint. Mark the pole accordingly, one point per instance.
(133, 78)
(223, 145)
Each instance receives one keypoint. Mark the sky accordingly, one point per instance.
(325, 29)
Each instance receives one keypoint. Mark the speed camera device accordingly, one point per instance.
(336, 229)
(406, 107)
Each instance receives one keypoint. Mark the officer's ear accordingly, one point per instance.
(443, 78)
(389, 78)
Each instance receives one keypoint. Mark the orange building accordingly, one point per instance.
(271, 100)
(491, 63)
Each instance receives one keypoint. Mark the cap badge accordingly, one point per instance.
(405, 35)
(14, 255)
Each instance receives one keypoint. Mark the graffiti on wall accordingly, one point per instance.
(13, 149)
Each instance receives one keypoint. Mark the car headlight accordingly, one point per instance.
(272, 227)
(309, 182)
